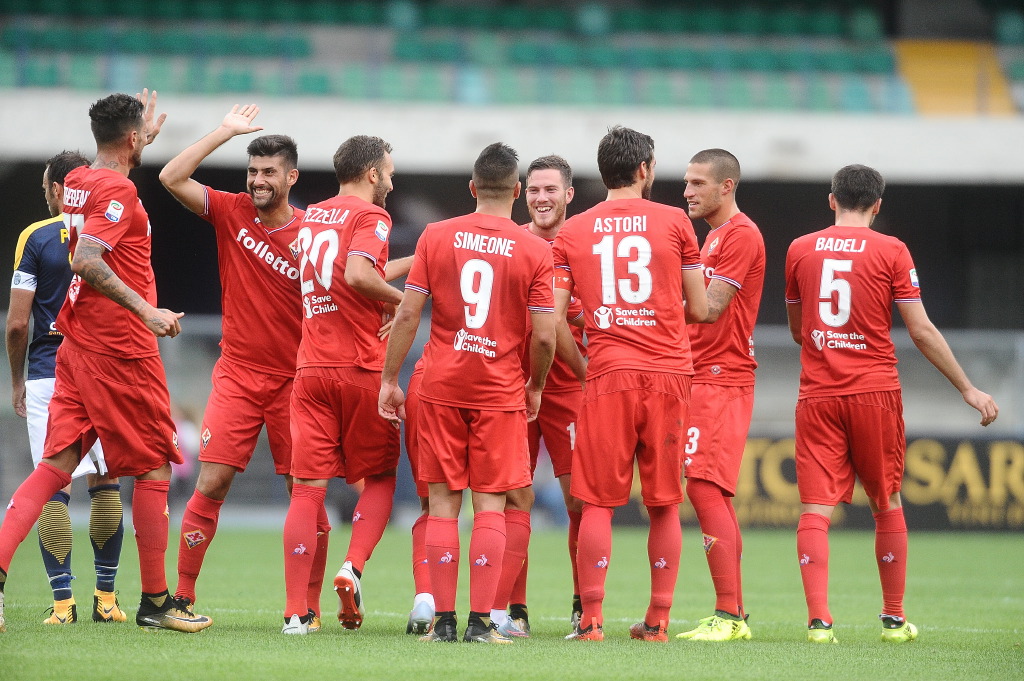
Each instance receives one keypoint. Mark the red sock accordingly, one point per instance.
(891, 552)
(718, 526)
(739, 557)
(319, 566)
(812, 551)
(664, 546)
(26, 506)
(486, 554)
(442, 543)
(420, 565)
(592, 558)
(373, 510)
(517, 543)
(149, 517)
(300, 544)
(574, 541)
(518, 594)
(198, 526)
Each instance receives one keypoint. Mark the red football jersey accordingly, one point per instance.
(259, 279)
(339, 326)
(723, 352)
(624, 258)
(103, 206)
(560, 378)
(485, 275)
(846, 280)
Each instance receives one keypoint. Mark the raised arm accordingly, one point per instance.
(933, 346)
(177, 174)
(88, 263)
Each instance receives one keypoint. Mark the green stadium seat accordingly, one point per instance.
(616, 88)
(673, 20)
(797, 59)
(444, 50)
(84, 73)
(124, 75)
(160, 75)
(392, 83)
(657, 89)
(641, 57)
(294, 46)
(710, 20)
(682, 58)
(513, 18)
(897, 97)
(825, 22)
(470, 86)
(272, 84)
(15, 36)
(738, 93)
(525, 52)
(171, 10)
(41, 71)
(92, 9)
(409, 47)
(819, 95)
(602, 55)
(8, 70)
(593, 20)
(865, 25)
(132, 9)
(757, 59)
(552, 18)
(55, 8)
(137, 39)
(837, 61)
(1015, 71)
(1010, 27)
(877, 60)
(208, 10)
(724, 59)
(476, 16)
(363, 13)
(749, 20)
(313, 81)
(245, 10)
(629, 20)
(56, 38)
(486, 49)
(236, 79)
(778, 93)
(171, 41)
(286, 11)
(198, 78)
(354, 81)
(403, 15)
(787, 21)
(855, 95)
(564, 53)
(323, 12)
(700, 91)
(441, 15)
(580, 88)
(432, 83)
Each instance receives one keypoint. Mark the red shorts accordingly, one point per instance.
(412, 409)
(838, 438)
(475, 448)
(719, 421)
(626, 417)
(123, 402)
(556, 423)
(336, 430)
(241, 401)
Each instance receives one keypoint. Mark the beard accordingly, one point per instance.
(380, 195)
(546, 220)
(645, 191)
(263, 202)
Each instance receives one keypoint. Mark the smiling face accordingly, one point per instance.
(384, 184)
(547, 198)
(268, 182)
(703, 191)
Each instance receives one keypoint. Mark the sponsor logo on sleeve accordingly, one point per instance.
(913, 279)
(114, 211)
(382, 230)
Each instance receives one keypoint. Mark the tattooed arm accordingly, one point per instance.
(88, 263)
(719, 296)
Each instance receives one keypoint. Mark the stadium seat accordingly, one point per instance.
(409, 47)
(198, 78)
(877, 60)
(700, 91)
(525, 52)
(392, 83)
(837, 61)
(354, 81)
(564, 53)
(897, 97)
(444, 50)
(617, 88)
(132, 9)
(749, 20)
(92, 9)
(818, 94)
(272, 83)
(403, 15)
(1015, 71)
(363, 13)
(8, 70)
(1010, 27)
(486, 49)
(657, 89)
(709, 20)
(323, 12)
(432, 83)
(778, 93)
(738, 92)
(160, 74)
(513, 18)
(236, 79)
(855, 95)
(593, 19)
(471, 86)
(787, 21)
(602, 55)
(84, 73)
(313, 81)
(171, 10)
(123, 75)
(865, 25)
(209, 10)
(580, 88)
(285, 11)
(40, 71)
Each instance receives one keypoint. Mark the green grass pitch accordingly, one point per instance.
(965, 593)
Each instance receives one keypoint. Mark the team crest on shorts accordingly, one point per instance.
(206, 437)
(174, 441)
(709, 541)
(193, 538)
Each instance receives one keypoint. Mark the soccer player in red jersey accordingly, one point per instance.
(841, 284)
(262, 325)
(489, 279)
(549, 191)
(343, 243)
(723, 384)
(110, 382)
(633, 263)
